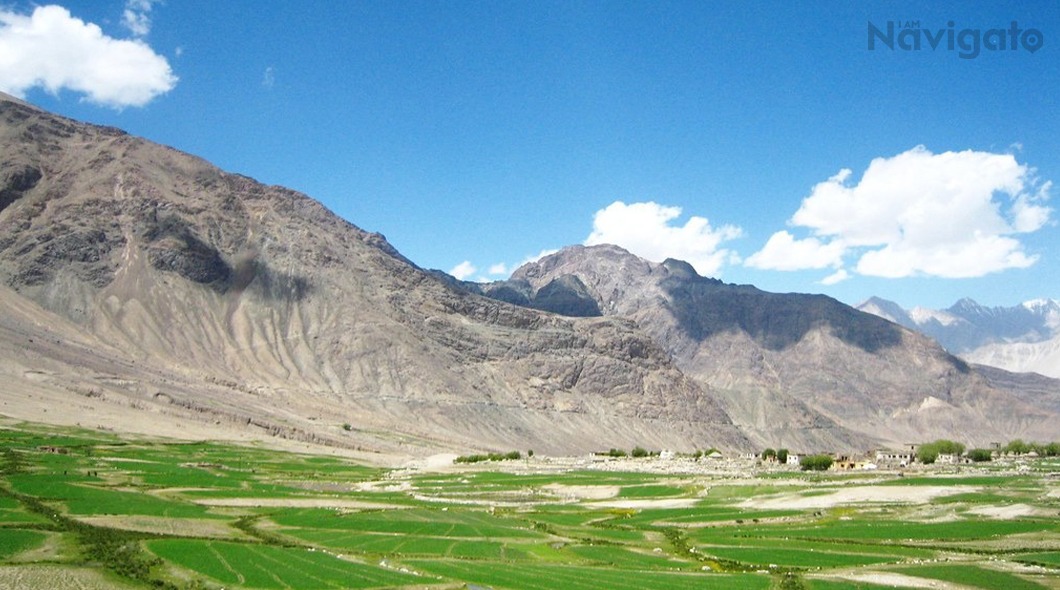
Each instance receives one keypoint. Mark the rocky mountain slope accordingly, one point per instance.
(145, 290)
(144, 283)
(791, 369)
(1020, 338)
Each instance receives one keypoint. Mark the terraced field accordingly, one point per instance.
(81, 509)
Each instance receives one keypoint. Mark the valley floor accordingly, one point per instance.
(86, 509)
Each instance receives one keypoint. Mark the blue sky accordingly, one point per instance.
(476, 135)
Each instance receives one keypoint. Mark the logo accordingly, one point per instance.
(968, 43)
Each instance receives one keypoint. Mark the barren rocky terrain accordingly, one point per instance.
(145, 290)
(797, 370)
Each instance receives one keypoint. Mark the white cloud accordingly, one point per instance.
(137, 16)
(463, 270)
(784, 252)
(951, 215)
(268, 80)
(837, 277)
(646, 229)
(53, 50)
(498, 269)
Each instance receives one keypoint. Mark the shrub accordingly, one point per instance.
(782, 455)
(815, 462)
(980, 455)
(1017, 447)
(509, 456)
(927, 454)
(769, 454)
(949, 447)
(639, 452)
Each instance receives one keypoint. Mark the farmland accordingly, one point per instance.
(85, 509)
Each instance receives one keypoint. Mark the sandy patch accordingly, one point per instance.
(856, 495)
(57, 578)
(294, 503)
(433, 463)
(895, 580)
(383, 486)
(582, 492)
(189, 527)
(1006, 512)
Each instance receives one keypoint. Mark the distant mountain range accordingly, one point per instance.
(1021, 338)
(143, 289)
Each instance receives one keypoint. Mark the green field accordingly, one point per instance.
(203, 516)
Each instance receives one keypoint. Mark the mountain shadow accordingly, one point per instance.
(775, 321)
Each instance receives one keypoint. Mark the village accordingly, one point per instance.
(1015, 457)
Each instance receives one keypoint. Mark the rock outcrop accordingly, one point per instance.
(208, 293)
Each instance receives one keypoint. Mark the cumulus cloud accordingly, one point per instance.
(498, 269)
(648, 230)
(837, 277)
(53, 50)
(953, 215)
(463, 270)
(137, 16)
(784, 252)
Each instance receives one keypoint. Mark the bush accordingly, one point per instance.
(638, 452)
(782, 455)
(927, 454)
(769, 454)
(980, 455)
(1017, 447)
(949, 447)
(616, 453)
(509, 456)
(815, 462)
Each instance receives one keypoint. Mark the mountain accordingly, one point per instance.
(803, 371)
(144, 290)
(143, 287)
(1020, 338)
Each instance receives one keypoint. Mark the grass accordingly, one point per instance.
(975, 577)
(413, 522)
(762, 557)
(1051, 559)
(652, 491)
(263, 566)
(549, 577)
(904, 531)
(480, 525)
(15, 541)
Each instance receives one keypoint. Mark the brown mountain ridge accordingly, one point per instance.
(146, 290)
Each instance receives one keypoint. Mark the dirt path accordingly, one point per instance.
(856, 495)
